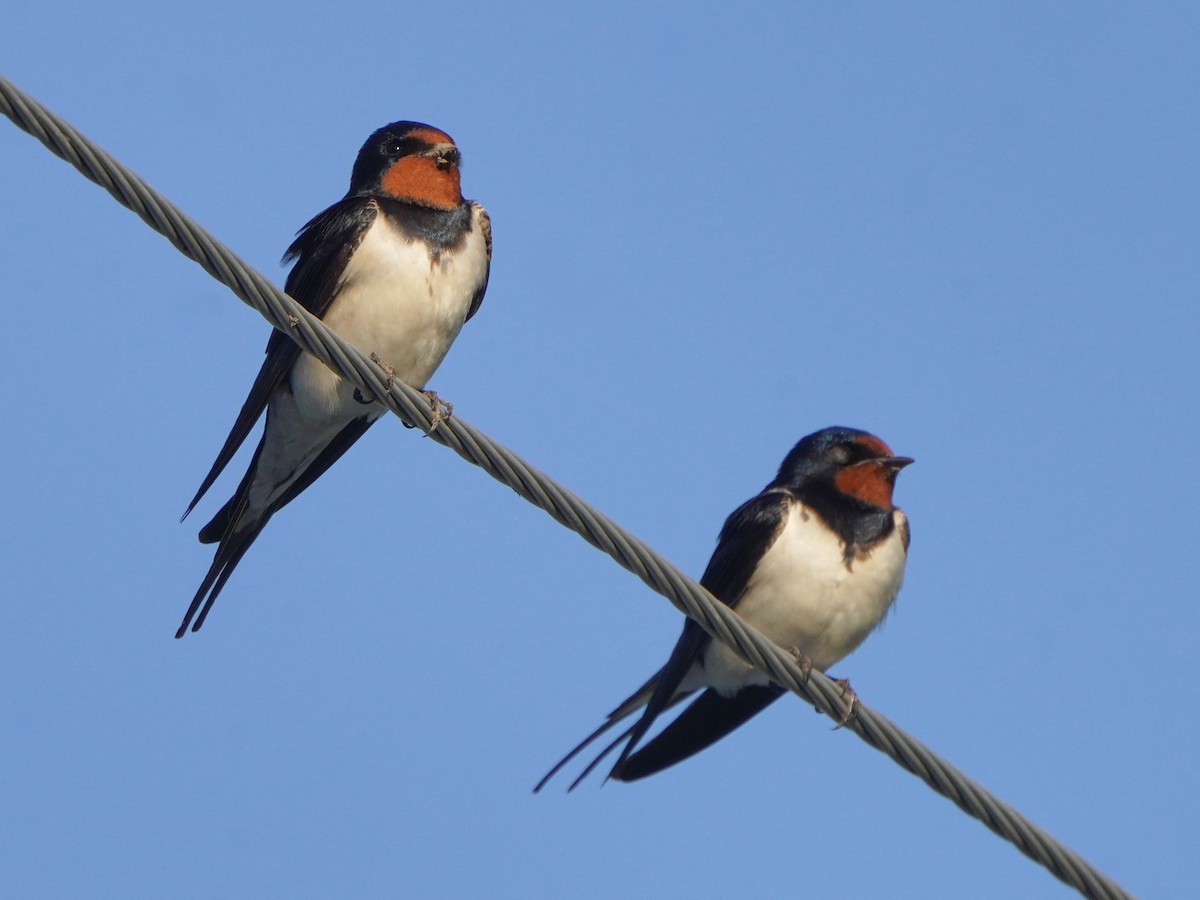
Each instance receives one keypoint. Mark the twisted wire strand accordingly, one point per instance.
(563, 506)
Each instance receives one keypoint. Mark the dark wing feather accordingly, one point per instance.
(321, 251)
(228, 555)
(233, 543)
(666, 687)
(745, 537)
(485, 225)
(708, 719)
(233, 546)
(215, 530)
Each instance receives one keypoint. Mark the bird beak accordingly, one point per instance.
(443, 155)
(896, 463)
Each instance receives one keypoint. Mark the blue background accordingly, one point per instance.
(969, 228)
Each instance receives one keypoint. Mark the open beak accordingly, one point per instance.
(443, 155)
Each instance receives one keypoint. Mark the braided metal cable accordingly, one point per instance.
(566, 508)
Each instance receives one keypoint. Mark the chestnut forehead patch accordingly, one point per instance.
(875, 445)
(430, 136)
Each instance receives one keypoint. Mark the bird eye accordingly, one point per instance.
(392, 147)
(840, 454)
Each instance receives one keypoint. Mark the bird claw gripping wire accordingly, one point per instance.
(851, 698)
(390, 374)
(852, 703)
(805, 664)
(442, 409)
(389, 377)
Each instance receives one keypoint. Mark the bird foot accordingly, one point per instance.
(387, 371)
(806, 667)
(387, 368)
(805, 664)
(852, 703)
(442, 409)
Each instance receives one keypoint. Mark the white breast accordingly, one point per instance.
(806, 598)
(399, 301)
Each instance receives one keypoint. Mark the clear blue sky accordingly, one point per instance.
(968, 228)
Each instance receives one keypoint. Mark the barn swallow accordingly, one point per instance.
(395, 268)
(814, 562)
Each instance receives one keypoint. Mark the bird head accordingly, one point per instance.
(410, 162)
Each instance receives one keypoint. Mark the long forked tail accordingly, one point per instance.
(630, 705)
(233, 540)
(575, 751)
(235, 536)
